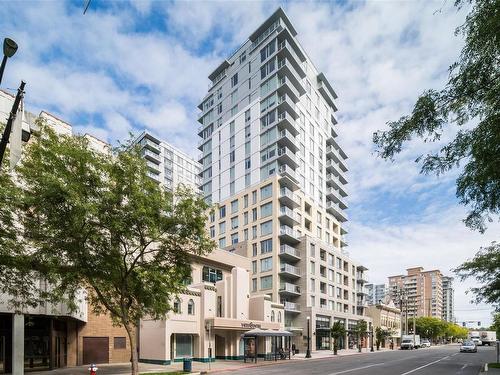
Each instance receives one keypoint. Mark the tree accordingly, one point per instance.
(380, 336)
(485, 268)
(471, 96)
(98, 221)
(429, 327)
(337, 331)
(496, 324)
(361, 331)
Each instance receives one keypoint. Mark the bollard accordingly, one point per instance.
(93, 369)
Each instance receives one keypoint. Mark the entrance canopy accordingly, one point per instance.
(251, 339)
(257, 332)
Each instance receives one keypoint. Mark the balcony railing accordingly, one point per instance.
(291, 306)
(289, 269)
(285, 230)
(290, 251)
(289, 288)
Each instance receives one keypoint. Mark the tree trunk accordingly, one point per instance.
(133, 350)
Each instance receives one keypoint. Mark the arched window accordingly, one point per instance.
(177, 306)
(279, 316)
(272, 316)
(191, 307)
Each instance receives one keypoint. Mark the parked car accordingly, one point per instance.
(468, 347)
(425, 343)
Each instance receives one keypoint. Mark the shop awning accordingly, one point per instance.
(257, 332)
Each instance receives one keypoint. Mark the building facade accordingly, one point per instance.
(209, 318)
(272, 163)
(387, 316)
(419, 293)
(168, 165)
(376, 293)
(448, 299)
(50, 336)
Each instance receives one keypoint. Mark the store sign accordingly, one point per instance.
(250, 325)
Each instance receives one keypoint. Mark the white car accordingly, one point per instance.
(468, 347)
(425, 344)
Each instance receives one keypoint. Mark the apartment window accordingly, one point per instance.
(267, 68)
(222, 227)
(254, 249)
(266, 264)
(266, 228)
(312, 268)
(254, 266)
(234, 110)
(234, 80)
(312, 250)
(222, 212)
(243, 57)
(234, 238)
(212, 217)
(211, 275)
(245, 234)
(232, 156)
(119, 343)
(247, 149)
(245, 218)
(254, 196)
(247, 163)
(222, 242)
(247, 179)
(254, 285)
(254, 232)
(254, 214)
(231, 142)
(313, 301)
(266, 246)
(266, 282)
(232, 188)
(312, 286)
(266, 191)
(234, 222)
(190, 307)
(266, 209)
(234, 206)
(245, 201)
(177, 306)
(268, 50)
(219, 108)
(247, 116)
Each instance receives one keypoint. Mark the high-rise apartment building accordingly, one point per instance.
(168, 165)
(272, 163)
(376, 293)
(421, 292)
(448, 299)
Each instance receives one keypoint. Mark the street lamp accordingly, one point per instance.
(9, 49)
(308, 352)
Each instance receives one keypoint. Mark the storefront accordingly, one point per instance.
(323, 335)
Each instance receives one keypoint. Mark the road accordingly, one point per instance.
(440, 360)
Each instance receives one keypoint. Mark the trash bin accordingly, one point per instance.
(187, 364)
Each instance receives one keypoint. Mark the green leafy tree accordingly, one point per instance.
(428, 327)
(485, 268)
(380, 336)
(97, 221)
(337, 331)
(471, 96)
(496, 324)
(360, 330)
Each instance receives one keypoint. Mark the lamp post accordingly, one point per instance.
(371, 349)
(308, 352)
(9, 49)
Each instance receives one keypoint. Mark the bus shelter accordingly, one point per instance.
(280, 344)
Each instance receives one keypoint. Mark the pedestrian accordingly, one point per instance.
(293, 349)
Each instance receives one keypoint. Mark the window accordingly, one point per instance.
(234, 238)
(267, 68)
(219, 307)
(212, 231)
(254, 196)
(222, 212)
(266, 264)
(266, 246)
(279, 316)
(177, 306)
(312, 268)
(254, 285)
(247, 149)
(245, 201)
(266, 282)
(234, 80)
(254, 214)
(190, 307)
(266, 191)
(211, 275)
(232, 156)
(254, 266)
(222, 243)
(247, 163)
(266, 209)
(266, 228)
(234, 110)
(254, 249)
(234, 222)
(120, 342)
(272, 316)
(243, 57)
(245, 234)
(267, 50)
(222, 227)
(254, 232)
(234, 206)
(312, 286)
(312, 250)
(245, 218)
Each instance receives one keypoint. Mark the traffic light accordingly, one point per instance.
(479, 324)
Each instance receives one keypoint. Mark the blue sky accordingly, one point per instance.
(126, 66)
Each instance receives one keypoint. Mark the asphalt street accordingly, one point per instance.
(441, 360)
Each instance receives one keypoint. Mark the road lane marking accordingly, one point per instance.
(356, 369)
(464, 366)
(421, 367)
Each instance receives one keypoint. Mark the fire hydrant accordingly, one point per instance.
(93, 369)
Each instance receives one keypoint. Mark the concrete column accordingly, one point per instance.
(18, 344)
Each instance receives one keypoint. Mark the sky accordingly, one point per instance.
(126, 66)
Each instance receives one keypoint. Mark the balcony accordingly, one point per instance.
(288, 216)
(343, 241)
(336, 153)
(288, 289)
(151, 156)
(336, 196)
(286, 50)
(361, 303)
(291, 307)
(149, 144)
(332, 180)
(285, 86)
(287, 139)
(155, 177)
(285, 155)
(285, 103)
(361, 279)
(287, 197)
(361, 291)
(287, 122)
(333, 167)
(288, 176)
(153, 167)
(289, 271)
(288, 234)
(335, 210)
(287, 69)
(288, 252)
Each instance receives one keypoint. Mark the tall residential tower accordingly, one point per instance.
(272, 163)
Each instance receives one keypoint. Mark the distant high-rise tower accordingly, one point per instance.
(448, 299)
(272, 163)
(376, 293)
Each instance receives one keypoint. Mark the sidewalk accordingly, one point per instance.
(217, 366)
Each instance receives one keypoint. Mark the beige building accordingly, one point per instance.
(209, 318)
(386, 315)
(419, 293)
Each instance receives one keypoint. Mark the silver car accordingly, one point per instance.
(468, 347)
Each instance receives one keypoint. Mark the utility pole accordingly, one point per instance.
(12, 117)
